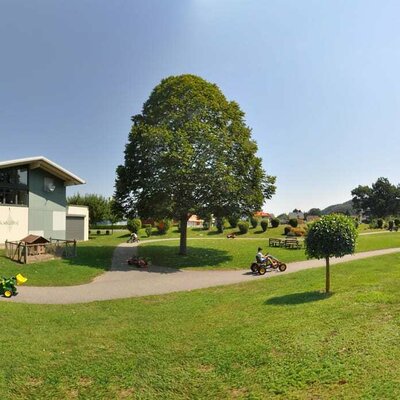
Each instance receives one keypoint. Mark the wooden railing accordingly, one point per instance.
(27, 253)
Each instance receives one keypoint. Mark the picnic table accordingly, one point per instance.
(273, 242)
(288, 243)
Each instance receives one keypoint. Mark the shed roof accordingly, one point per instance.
(34, 239)
(49, 166)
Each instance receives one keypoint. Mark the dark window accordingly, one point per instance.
(14, 186)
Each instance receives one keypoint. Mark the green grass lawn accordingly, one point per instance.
(94, 257)
(276, 338)
(239, 253)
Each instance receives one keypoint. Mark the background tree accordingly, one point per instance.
(98, 206)
(379, 201)
(332, 236)
(315, 211)
(190, 152)
(115, 213)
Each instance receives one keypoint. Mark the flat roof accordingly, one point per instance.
(49, 166)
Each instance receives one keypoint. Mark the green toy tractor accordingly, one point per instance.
(8, 286)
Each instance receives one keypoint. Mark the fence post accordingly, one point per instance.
(74, 248)
(25, 253)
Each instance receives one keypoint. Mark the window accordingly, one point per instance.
(14, 186)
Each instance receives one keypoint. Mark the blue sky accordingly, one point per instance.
(318, 81)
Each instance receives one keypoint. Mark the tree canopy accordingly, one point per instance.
(379, 201)
(332, 236)
(190, 152)
(99, 206)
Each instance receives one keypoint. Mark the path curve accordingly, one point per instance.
(123, 281)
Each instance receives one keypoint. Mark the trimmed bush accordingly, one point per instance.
(233, 221)
(397, 222)
(134, 225)
(274, 222)
(299, 231)
(391, 225)
(243, 227)
(254, 222)
(264, 225)
(163, 226)
(149, 230)
(98, 232)
(107, 232)
(293, 222)
(379, 223)
(287, 230)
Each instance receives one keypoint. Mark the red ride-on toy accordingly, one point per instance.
(139, 262)
(270, 262)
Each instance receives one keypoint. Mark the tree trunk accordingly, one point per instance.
(327, 276)
(183, 238)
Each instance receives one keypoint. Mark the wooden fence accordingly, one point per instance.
(28, 253)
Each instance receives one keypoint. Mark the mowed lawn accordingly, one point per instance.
(277, 338)
(94, 257)
(222, 253)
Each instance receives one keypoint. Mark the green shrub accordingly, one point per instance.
(163, 226)
(233, 221)
(148, 230)
(287, 229)
(391, 225)
(379, 223)
(397, 222)
(254, 222)
(243, 226)
(108, 227)
(98, 232)
(274, 222)
(293, 222)
(264, 225)
(134, 225)
(107, 232)
(299, 231)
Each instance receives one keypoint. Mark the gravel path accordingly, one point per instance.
(123, 281)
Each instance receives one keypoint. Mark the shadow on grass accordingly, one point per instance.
(298, 298)
(167, 256)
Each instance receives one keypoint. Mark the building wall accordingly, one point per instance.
(13, 223)
(82, 211)
(47, 210)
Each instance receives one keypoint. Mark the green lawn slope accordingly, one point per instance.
(277, 338)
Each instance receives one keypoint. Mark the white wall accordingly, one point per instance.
(81, 211)
(13, 223)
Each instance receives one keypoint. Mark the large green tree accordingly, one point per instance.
(380, 200)
(332, 236)
(190, 152)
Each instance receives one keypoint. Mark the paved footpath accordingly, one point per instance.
(123, 281)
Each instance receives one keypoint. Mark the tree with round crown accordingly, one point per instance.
(332, 236)
(190, 152)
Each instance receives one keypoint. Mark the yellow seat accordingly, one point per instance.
(20, 279)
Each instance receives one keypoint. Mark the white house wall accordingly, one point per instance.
(13, 223)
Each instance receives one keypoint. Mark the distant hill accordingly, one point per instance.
(340, 208)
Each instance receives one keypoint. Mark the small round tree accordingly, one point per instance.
(332, 236)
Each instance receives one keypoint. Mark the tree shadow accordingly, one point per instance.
(298, 298)
(197, 257)
(259, 232)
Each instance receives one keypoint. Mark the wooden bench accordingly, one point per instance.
(275, 242)
(292, 244)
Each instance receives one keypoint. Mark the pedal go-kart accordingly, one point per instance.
(270, 263)
(8, 285)
(139, 262)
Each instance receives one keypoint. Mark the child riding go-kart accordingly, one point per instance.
(263, 263)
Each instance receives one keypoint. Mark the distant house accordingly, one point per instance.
(262, 214)
(33, 201)
(194, 221)
(297, 215)
(312, 218)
